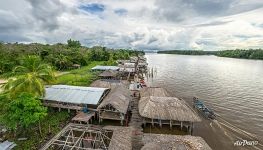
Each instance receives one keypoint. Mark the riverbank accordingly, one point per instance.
(243, 54)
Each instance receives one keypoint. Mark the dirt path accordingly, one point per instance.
(61, 73)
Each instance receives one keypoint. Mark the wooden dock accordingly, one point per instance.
(136, 123)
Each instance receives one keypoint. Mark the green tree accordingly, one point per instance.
(62, 62)
(23, 111)
(30, 77)
(73, 43)
(111, 61)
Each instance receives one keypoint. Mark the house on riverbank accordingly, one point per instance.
(156, 106)
(73, 97)
(109, 83)
(127, 67)
(167, 110)
(115, 105)
(108, 74)
(103, 68)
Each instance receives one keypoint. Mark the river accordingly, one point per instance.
(233, 88)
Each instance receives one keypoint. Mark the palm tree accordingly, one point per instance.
(62, 62)
(30, 77)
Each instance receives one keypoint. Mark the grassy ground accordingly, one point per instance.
(80, 77)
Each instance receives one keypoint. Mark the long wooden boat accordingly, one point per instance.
(205, 111)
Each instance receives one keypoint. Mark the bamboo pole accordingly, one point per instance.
(181, 125)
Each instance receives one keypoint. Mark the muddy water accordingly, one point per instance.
(233, 88)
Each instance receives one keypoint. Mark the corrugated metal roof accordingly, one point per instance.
(74, 94)
(129, 65)
(105, 68)
(127, 69)
(6, 145)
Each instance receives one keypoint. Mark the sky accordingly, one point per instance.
(135, 24)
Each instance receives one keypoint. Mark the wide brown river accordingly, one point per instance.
(233, 88)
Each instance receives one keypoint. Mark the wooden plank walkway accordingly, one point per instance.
(136, 123)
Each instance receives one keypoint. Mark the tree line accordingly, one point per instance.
(187, 52)
(60, 56)
(238, 53)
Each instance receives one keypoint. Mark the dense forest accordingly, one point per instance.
(60, 56)
(238, 53)
(187, 52)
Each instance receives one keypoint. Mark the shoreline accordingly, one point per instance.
(215, 54)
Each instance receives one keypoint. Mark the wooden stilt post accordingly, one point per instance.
(99, 116)
(152, 123)
(171, 124)
(181, 125)
(160, 123)
(122, 118)
(59, 109)
(68, 110)
(192, 130)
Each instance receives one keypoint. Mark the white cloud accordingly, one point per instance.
(160, 24)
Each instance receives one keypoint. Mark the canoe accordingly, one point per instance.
(201, 107)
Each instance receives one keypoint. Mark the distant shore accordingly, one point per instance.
(238, 53)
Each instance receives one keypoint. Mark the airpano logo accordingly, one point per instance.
(245, 142)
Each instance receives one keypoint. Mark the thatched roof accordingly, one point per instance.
(166, 108)
(108, 83)
(168, 142)
(151, 146)
(108, 73)
(121, 138)
(119, 97)
(154, 91)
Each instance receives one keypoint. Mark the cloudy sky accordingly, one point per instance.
(137, 24)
